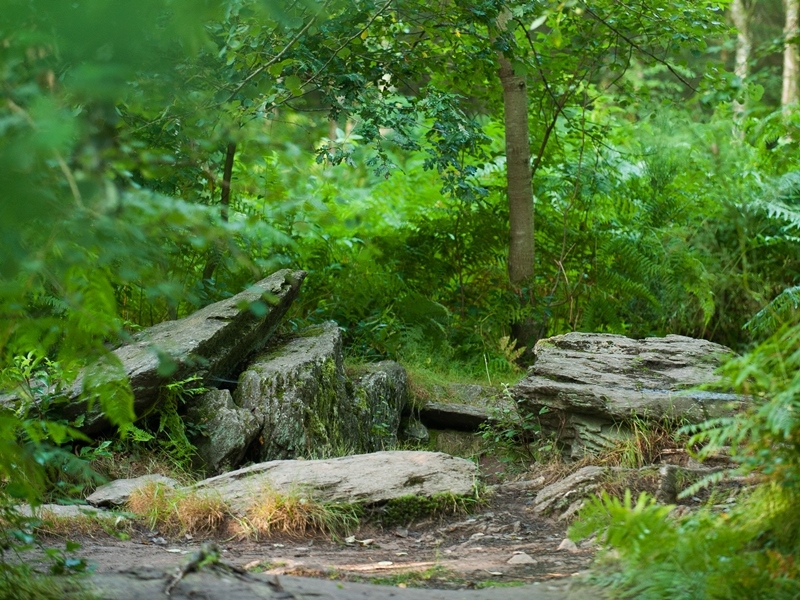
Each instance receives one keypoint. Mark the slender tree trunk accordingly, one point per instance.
(521, 250)
(225, 202)
(791, 60)
(741, 20)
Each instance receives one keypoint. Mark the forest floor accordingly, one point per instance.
(456, 552)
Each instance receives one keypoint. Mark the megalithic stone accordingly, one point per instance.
(211, 343)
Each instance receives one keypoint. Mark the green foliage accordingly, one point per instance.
(170, 432)
(514, 433)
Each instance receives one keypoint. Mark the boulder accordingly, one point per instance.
(224, 430)
(587, 387)
(116, 493)
(211, 343)
(364, 478)
(380, 393)
(296, 390)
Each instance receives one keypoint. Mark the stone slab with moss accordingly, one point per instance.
(367, 479)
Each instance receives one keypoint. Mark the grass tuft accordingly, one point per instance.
(297, 514)
(178, 511)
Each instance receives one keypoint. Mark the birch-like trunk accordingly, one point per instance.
(744, 46)
(791, 60)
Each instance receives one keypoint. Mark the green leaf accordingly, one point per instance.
(294, 84)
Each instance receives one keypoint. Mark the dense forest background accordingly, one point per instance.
(460, 179)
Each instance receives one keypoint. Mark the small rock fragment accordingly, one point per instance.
(521, 559)
(568, 545)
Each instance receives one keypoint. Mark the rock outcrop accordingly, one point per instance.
(586, 388)
(380, 392)
(298, 392)
(225, 430)
(212, 343)
(364, 478)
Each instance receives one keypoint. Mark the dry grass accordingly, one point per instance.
(296, 514)
(644, 446)
(122, 465)
(85, 525)
(178, 511)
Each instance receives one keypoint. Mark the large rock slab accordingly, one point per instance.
(226, 430)
(364, 478)
(211, 343)
(215, 582)
(586, 387)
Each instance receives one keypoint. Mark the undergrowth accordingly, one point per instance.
(748, 551)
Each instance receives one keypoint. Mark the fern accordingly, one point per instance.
(782, 309)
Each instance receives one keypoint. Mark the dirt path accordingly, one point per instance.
(459, 553)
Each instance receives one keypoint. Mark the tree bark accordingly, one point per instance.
(521, 250)
(225, 202)
(741, 20)
(791, 60)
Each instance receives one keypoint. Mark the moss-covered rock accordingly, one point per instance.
(223, 431)
(297, 392)
(379, 394)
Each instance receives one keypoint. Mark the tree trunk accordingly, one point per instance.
(521, 250)
(741, 20)
(791, 61)
(225, 201)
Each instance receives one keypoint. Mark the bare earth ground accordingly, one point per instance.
(460, 552)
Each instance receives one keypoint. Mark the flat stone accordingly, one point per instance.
(564, 497)
(64, 511)
(568, 545)
(116, 493)
(363, 478)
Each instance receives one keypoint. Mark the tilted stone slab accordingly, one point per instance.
(364, 478)
(585, 386)
(211, 343)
